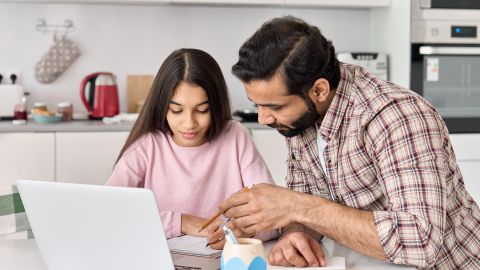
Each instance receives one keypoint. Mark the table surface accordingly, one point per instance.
(24, 255)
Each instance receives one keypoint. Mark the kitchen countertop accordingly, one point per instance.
(73, 126)
(84, 126)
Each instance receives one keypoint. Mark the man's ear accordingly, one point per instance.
(320, 90)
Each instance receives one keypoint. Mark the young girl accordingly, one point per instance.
(185, 147)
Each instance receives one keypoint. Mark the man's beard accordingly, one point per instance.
(303, 122)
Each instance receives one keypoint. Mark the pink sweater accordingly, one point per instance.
(191, 180)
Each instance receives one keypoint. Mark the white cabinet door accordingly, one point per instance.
(27, 155)
(339, 3)
(471, 177)
(467, 151)
(87, 157)
(232, 2)
(273, 148)
(466, 146)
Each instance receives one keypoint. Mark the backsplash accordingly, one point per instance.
(131, 39)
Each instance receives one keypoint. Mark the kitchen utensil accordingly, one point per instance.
(138, 87)
(102, 98)
(43, 119)
(58, 58)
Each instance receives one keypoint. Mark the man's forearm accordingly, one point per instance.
(350, 227)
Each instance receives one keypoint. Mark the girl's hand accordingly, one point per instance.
(191, 225)
(216, 237)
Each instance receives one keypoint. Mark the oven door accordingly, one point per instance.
(448, 76)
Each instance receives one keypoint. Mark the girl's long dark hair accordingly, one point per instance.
(184, 65)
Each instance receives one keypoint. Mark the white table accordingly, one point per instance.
(24, 255)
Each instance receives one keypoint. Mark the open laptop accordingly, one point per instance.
(99, 227)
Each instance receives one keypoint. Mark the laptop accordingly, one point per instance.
(94, 227)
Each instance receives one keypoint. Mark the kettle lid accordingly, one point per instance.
(105, 79)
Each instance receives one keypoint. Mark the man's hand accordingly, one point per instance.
(298, 249)
(263, 207)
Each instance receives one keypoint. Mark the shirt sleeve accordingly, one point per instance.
(408, 143)
(130, 171)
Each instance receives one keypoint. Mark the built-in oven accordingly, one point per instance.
(445, 59)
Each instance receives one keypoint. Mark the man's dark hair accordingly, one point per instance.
(292, 47)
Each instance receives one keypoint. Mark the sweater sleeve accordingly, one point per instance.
(254, 171)
(252, 166)
(130, 171)
(172, 223)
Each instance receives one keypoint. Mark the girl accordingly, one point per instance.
(186, 149)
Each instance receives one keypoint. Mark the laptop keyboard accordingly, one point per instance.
(181, 267)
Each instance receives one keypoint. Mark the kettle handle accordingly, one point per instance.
(84, 82)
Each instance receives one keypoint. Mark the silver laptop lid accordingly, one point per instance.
(95, 227)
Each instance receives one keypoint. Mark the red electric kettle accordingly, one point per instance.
(102, 98)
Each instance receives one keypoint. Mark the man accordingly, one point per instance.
(370, 164)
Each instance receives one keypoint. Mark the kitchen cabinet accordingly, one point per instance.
(273, 148)
(27, 155)
(467, 151)
(471, 177)
(87, 157)
(132, 2)
(339, 3)
(309, 3)
(232, 2)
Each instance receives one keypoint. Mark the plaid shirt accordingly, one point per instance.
(388, 151)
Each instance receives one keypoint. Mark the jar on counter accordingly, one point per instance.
(20, 111)
(66, 110)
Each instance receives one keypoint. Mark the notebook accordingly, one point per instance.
(192, 246)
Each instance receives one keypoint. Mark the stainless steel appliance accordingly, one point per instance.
(445, 59)
(374, 62)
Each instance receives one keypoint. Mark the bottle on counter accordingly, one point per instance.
(66, 110)
(20, 112)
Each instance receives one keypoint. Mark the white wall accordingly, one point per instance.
(390, 33)
(127, 39)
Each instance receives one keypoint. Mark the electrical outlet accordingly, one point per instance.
(7, 76)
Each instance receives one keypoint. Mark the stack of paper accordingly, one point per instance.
(193, 246)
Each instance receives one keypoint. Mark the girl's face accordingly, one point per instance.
(188, 115)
